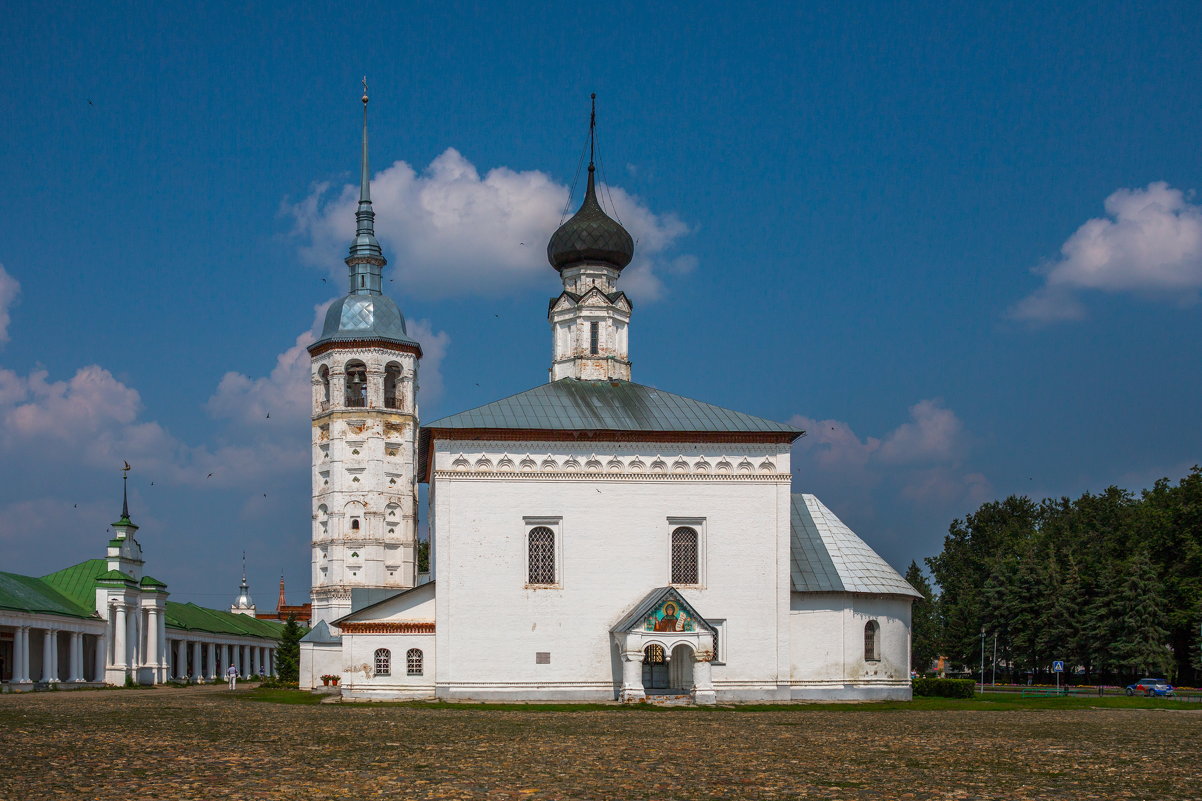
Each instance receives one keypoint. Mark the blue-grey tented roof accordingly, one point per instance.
(571, 404)
(321, 635)
(827, 556)
(364, 316)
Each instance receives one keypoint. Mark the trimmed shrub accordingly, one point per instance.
(944, 688)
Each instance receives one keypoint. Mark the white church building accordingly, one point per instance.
(591, 539)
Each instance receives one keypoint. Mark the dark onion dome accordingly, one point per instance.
(590, 235)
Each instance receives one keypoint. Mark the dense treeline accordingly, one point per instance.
(1109, 582)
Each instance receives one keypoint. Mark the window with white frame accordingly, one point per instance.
(685, 553)
(383, 662)
(719, 627)
(872, 644)
(413, 662)
(540, 556)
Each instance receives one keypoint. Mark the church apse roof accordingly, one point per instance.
(827, 556)
(571, 404)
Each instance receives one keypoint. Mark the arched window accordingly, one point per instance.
(872, 645)
(356, 384)
(413, 661)
(392, 377)
(541, 551)
(383, 662)
(323, 375)
(684, 556)
(354, 524)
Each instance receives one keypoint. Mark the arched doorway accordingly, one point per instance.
(655, 668)
(680, 669)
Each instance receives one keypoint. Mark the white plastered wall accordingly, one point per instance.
(613, 531)
(827, 646)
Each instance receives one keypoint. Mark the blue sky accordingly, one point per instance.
(960, 245)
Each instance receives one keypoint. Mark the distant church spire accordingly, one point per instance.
(366, 260)
(124, 527)
(244, 605)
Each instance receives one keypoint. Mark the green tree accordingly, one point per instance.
(1140, 644)
(968, 560)
(288, 653)
(924, 622)
(423, 556)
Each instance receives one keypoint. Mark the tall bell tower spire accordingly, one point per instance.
(365, 420)
(366, 260)
(590, 318)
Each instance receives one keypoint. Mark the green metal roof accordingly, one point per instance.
(78, 582)
(116, 575)
(29, 594)
(148, 581)
(191, 617)
(570, 404)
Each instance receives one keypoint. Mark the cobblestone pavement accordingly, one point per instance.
(204, 743)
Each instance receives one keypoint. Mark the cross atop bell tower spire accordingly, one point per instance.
(365, 175)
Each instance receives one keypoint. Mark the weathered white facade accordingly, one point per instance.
(594, 539)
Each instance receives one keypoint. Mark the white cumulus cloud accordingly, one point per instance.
(447, 230)
(1149, 243)
(919, 461)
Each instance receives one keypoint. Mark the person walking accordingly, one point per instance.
(232, 675)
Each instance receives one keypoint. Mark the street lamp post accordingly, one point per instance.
(982, 659)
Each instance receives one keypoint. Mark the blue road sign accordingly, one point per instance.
(1058, 666)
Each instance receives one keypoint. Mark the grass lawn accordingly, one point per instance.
(981, 703)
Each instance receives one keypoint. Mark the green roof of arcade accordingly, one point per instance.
(29, 594)
(191, 617)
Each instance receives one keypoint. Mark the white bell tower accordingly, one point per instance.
(365, 423)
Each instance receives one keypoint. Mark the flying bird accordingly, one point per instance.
(210, 475)
(90, 103)
(269, 415)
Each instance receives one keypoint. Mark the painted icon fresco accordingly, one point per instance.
(669, 616)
